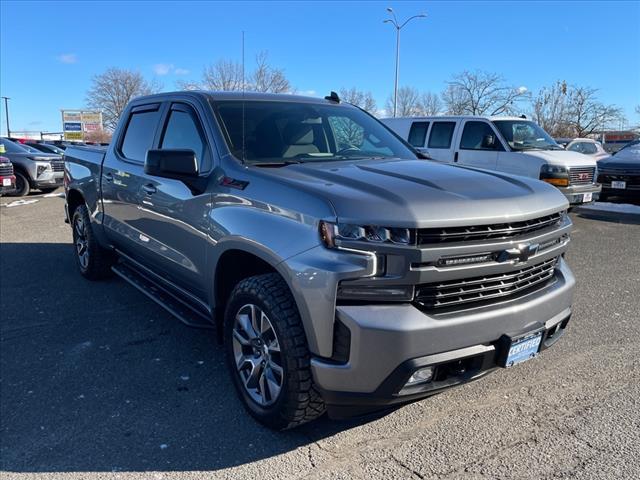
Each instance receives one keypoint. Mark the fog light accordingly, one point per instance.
(423, 375)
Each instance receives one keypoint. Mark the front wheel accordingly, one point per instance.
(268, 355)
(94, 261)
(22, 185)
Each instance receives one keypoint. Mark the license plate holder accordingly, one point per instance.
(619, 184)
(587, 197)
(6, 182)
(519, 349)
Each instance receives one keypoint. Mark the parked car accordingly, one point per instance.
(588, 146)
(620, 173)
(45, 147)
(342, 272)
(33, 169)
(7, 178)
(505, 144)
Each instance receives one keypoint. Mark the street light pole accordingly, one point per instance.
(398, 26)
(6, 111)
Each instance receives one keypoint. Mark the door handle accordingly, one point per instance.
(455, 157)
(149, 189)
(108, 177)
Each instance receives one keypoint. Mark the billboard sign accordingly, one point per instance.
(78, 122)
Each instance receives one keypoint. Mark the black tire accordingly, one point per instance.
(93, 260)
(298, 400)
(22, 185)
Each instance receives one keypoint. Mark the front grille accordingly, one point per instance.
(6, 169)
(581, 175)
(501, 286)
(486, 232)
(631, 177)
(57, 166)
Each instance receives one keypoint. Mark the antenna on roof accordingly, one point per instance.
(243, 89)
(333, 97)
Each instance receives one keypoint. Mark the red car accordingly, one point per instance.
(7, 178)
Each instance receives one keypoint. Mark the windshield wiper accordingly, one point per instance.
(274, 164)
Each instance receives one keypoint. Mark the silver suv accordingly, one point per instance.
(343, 272)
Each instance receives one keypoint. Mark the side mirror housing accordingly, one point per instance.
(180, 164)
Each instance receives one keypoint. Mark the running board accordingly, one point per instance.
(172, 303)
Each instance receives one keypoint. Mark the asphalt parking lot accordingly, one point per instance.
(97, 381)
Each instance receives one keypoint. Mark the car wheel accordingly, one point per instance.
(22, 185)
(93, 260)
(268, 355)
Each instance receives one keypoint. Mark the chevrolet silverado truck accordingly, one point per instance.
(341, 270)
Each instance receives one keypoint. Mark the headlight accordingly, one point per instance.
(332, 233)
(41, 168)
(557, 175)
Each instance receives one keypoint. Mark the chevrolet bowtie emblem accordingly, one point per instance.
(519, 254)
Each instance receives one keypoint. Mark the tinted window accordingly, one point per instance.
(12, 147)
(183, 132)
(139, 135)
(418, 133)
(473, 136)
(265, 131)
(441, 134)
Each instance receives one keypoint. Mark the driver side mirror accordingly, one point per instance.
(180, 164)
(489, 141)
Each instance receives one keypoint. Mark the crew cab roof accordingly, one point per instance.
(233, 96)
(459, 117)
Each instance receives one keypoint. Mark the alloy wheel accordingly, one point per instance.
(257, 355)
(82, 243)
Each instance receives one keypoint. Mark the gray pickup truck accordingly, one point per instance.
(342, 271)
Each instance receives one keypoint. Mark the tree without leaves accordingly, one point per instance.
(430, 104)
(226, 75)
(359, 98)
(550, 110)
(586, 114)
(481, 93)
(112, 90)
(408, 103)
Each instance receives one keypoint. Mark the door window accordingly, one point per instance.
(441, 134)
(478, 136)
(138, 138)
(418, 133)
(183, 131)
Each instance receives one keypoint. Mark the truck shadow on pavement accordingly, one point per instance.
(96, 377)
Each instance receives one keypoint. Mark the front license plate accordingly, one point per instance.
(523, 349)
(587, 197)
(6, 182)
(619, 184)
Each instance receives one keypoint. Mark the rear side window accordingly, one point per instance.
(441, 134)
(138, 138)
(183, 132)
(418, 133)
(474, 136)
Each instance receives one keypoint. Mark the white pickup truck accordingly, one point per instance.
(507, 144)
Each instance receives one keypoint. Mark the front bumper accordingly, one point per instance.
(4, 189)
(388, 343)
(49, 180)
(575, 193)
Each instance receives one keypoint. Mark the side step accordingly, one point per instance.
(163, 297)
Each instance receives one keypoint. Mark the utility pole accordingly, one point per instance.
(398, 26)
(6, 111)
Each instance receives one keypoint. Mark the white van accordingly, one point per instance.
(506, 144)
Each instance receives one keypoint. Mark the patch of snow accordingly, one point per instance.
(612, 207)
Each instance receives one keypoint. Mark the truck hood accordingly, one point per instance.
(421, 193)
(39, 157)
(562, 157)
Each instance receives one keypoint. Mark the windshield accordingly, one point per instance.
(283, 132)
(12, 147)
(525, 135)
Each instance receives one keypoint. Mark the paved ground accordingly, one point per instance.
(99, 382)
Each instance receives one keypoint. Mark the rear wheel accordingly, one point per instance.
(93, 260)
(22, 185)
(268, 355)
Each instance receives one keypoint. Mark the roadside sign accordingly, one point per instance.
(76, 123)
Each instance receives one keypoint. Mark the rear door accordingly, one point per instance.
(478, 145)
(123, 177)
(440, 145)
(173, 229)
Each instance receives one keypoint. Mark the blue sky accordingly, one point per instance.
(49, 51)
